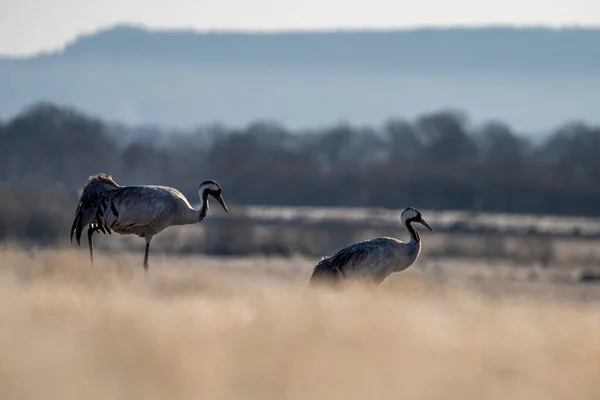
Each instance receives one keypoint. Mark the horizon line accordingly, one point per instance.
(295, 30)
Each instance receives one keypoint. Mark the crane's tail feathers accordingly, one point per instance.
(75, 225)
(96, 188)
(325, 272)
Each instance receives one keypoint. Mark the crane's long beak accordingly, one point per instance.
(222, 202)
(422, 221)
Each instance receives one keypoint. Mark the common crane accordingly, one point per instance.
(143, 210)
(373, 260)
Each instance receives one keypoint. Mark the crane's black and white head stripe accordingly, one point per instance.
(211, 186)
(214, 189)
(410, 215)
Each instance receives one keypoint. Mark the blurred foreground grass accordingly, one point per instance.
(208, 328)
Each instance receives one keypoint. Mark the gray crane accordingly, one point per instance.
(372, 260)
(143, 210)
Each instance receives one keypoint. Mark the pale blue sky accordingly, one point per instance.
(30, 26)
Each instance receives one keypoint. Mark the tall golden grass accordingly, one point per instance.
(202, 328)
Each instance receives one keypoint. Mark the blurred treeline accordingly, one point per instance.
(439, 161)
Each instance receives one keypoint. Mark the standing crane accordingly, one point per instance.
(373, 260)
(143, 210)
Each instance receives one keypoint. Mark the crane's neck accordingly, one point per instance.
(407, 253)
(414, 235)
(203, 210)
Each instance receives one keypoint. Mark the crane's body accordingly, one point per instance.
(372, 260)
(142, 210)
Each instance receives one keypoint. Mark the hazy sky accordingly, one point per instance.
(29, 26)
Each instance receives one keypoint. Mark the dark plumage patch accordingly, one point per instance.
(114, 209)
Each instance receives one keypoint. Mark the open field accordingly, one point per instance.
(249, 328)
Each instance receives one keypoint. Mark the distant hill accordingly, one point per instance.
(534, 79)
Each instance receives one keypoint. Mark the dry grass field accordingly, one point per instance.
(250, 328)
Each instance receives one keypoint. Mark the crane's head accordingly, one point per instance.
(214, 189)
(411, 215)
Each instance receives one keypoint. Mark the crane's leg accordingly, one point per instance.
(90, 232)
(146, 257)
(148, 240)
